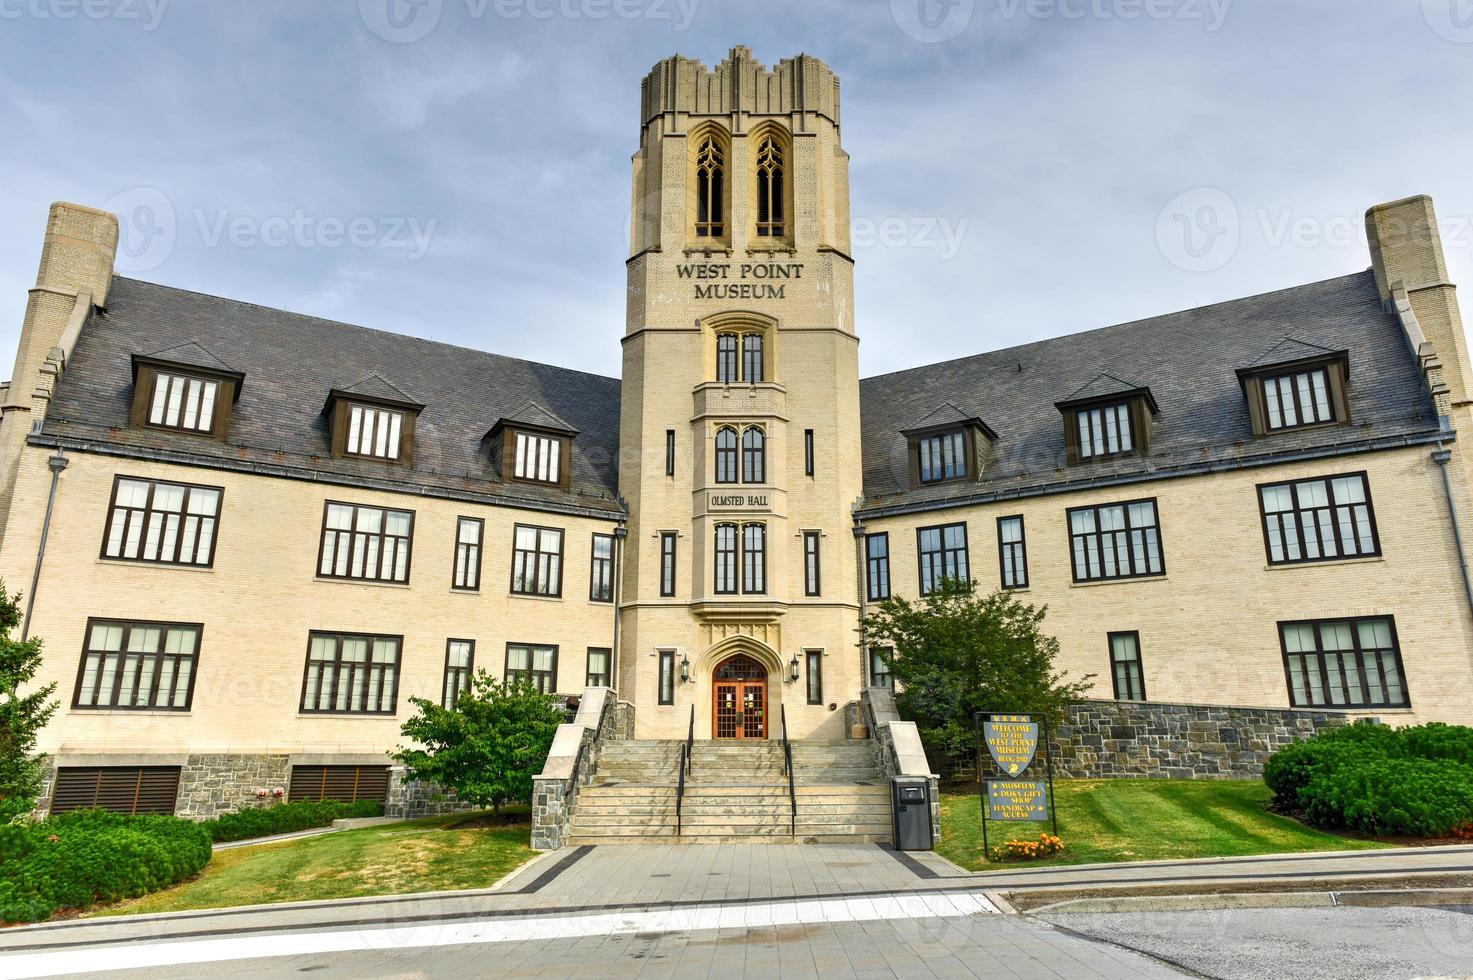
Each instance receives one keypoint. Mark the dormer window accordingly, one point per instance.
(183, 402)
(374, 432)
(946, 445)
(1107, 418)
(538, 458)
(532, 445)
(942, 457)
(184, 389)
(373, 420)
(1105, 430)
(1296, 386)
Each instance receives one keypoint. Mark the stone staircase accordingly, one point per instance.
(736, 793)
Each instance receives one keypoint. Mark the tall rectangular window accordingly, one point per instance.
(469, 532)
(942, 457)
(943, 555)
(373, 431)
(877, 566)
(598, 666)
(1104, 430)
(1318, 520)
(601, 571)
(815, 675)
(1344, 663)
(369, 543)
(460, 661)
(667, 563)
(1125, 667)
(539, 458)
(811, 564)
(167, 523)
(726, 358)
(181, 402)
(537, 561)
(1116, 541)
(137, 666)
(808, 461)
(667, 676)
(725, 580)
(351, 673)
(669, 452)
(752, 358)
(1298, 399)
(879, 667)
(1012, 552)
(754, 558)
(534, 662)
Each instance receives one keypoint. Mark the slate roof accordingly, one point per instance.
(291, 362)
(1188, 359)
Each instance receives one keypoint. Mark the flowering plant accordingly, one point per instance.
(278, 792)
(1028, 850)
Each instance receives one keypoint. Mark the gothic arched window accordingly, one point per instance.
(754, 456)
(710, 188)
(726, 358)
(770, 171)
(726, 456)
(752, 358)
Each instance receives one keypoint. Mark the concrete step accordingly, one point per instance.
(580, 840)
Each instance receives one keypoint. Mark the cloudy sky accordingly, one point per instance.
(1021, 168)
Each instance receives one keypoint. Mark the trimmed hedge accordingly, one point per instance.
(286, 818)
(78, 859)
(1379, 780)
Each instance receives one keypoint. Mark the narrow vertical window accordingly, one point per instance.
(468, 535)
(1012, 552)
(754, 559)
(877, 566)
(667, 676)
(770, 218)
(808, 452)
(726, 358)
(601, 569)
(598, 666)
(460, 659)
(726, 559)
(710, 189)
(752, 358)
(667, 563)
(726, 455)
(754, 456)
(1125, 667)
(811, 582)
(815, 676)
(879, 667)
(669, 452)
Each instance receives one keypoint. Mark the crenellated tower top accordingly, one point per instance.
(741, 85)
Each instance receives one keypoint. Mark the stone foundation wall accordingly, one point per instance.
(210, 785)
(414, 798)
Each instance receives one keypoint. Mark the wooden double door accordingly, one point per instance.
(739, 699)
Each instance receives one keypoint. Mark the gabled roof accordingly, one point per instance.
(1107, 386)
(376, 388)
(534, 416)
(1291, 351)
(188, 354)
(944, 416)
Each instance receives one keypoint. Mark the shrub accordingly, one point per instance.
(78, 859)
(287, 818)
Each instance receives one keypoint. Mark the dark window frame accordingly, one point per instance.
(1017, 551)
(123, 654)
(538, 557)
(812, 563)
(757, 569)
(1270, 392)
(669, 452)
(1098, 535)
(462, 675)
(937, 566)
(222, 391)
(813, 667)
(1356, 651)
(809, 463)
(709, 163)
(472, 581)
(148, 511)
(594, 563)
(728, 357)
(562, 463)
(545, 680)
(1333, 507)
(728, 443)
(871, 561)
(1139, 663)
(935, 445)
(754, 354)
(1117, 408)
(399, 434)
(726, 551)
(877, 660)
(337, 661)
(665, 681)
(669, 563)
(589, 677)
(754, 455)
(353, 543)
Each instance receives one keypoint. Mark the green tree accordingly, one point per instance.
(956, 652)
(22, 716)
(488, 748)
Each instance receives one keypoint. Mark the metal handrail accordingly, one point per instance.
(690, 740)
(686, 751)
(788, 769)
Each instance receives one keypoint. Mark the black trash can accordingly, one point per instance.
(911, 803)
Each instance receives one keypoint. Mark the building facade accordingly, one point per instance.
(248, 537)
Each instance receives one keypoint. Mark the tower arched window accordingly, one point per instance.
(752, 358)
(726, 456)
(710, 188)
(726, 358)
(754, 456)
(771, 221)
(726, 559)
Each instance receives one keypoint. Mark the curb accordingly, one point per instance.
(1267, 900)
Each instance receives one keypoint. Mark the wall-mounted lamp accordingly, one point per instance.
(684, 669)
(793, 668)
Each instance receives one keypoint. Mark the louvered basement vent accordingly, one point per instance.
(121, 789)
(346, 784)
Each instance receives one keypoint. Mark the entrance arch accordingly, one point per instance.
(739, 708)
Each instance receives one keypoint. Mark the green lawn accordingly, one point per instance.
(1104, 820)
(420, 856)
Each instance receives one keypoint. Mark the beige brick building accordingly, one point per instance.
(248, 537)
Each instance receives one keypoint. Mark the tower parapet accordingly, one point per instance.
(741, 85)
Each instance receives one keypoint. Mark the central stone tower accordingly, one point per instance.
(740, 456)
